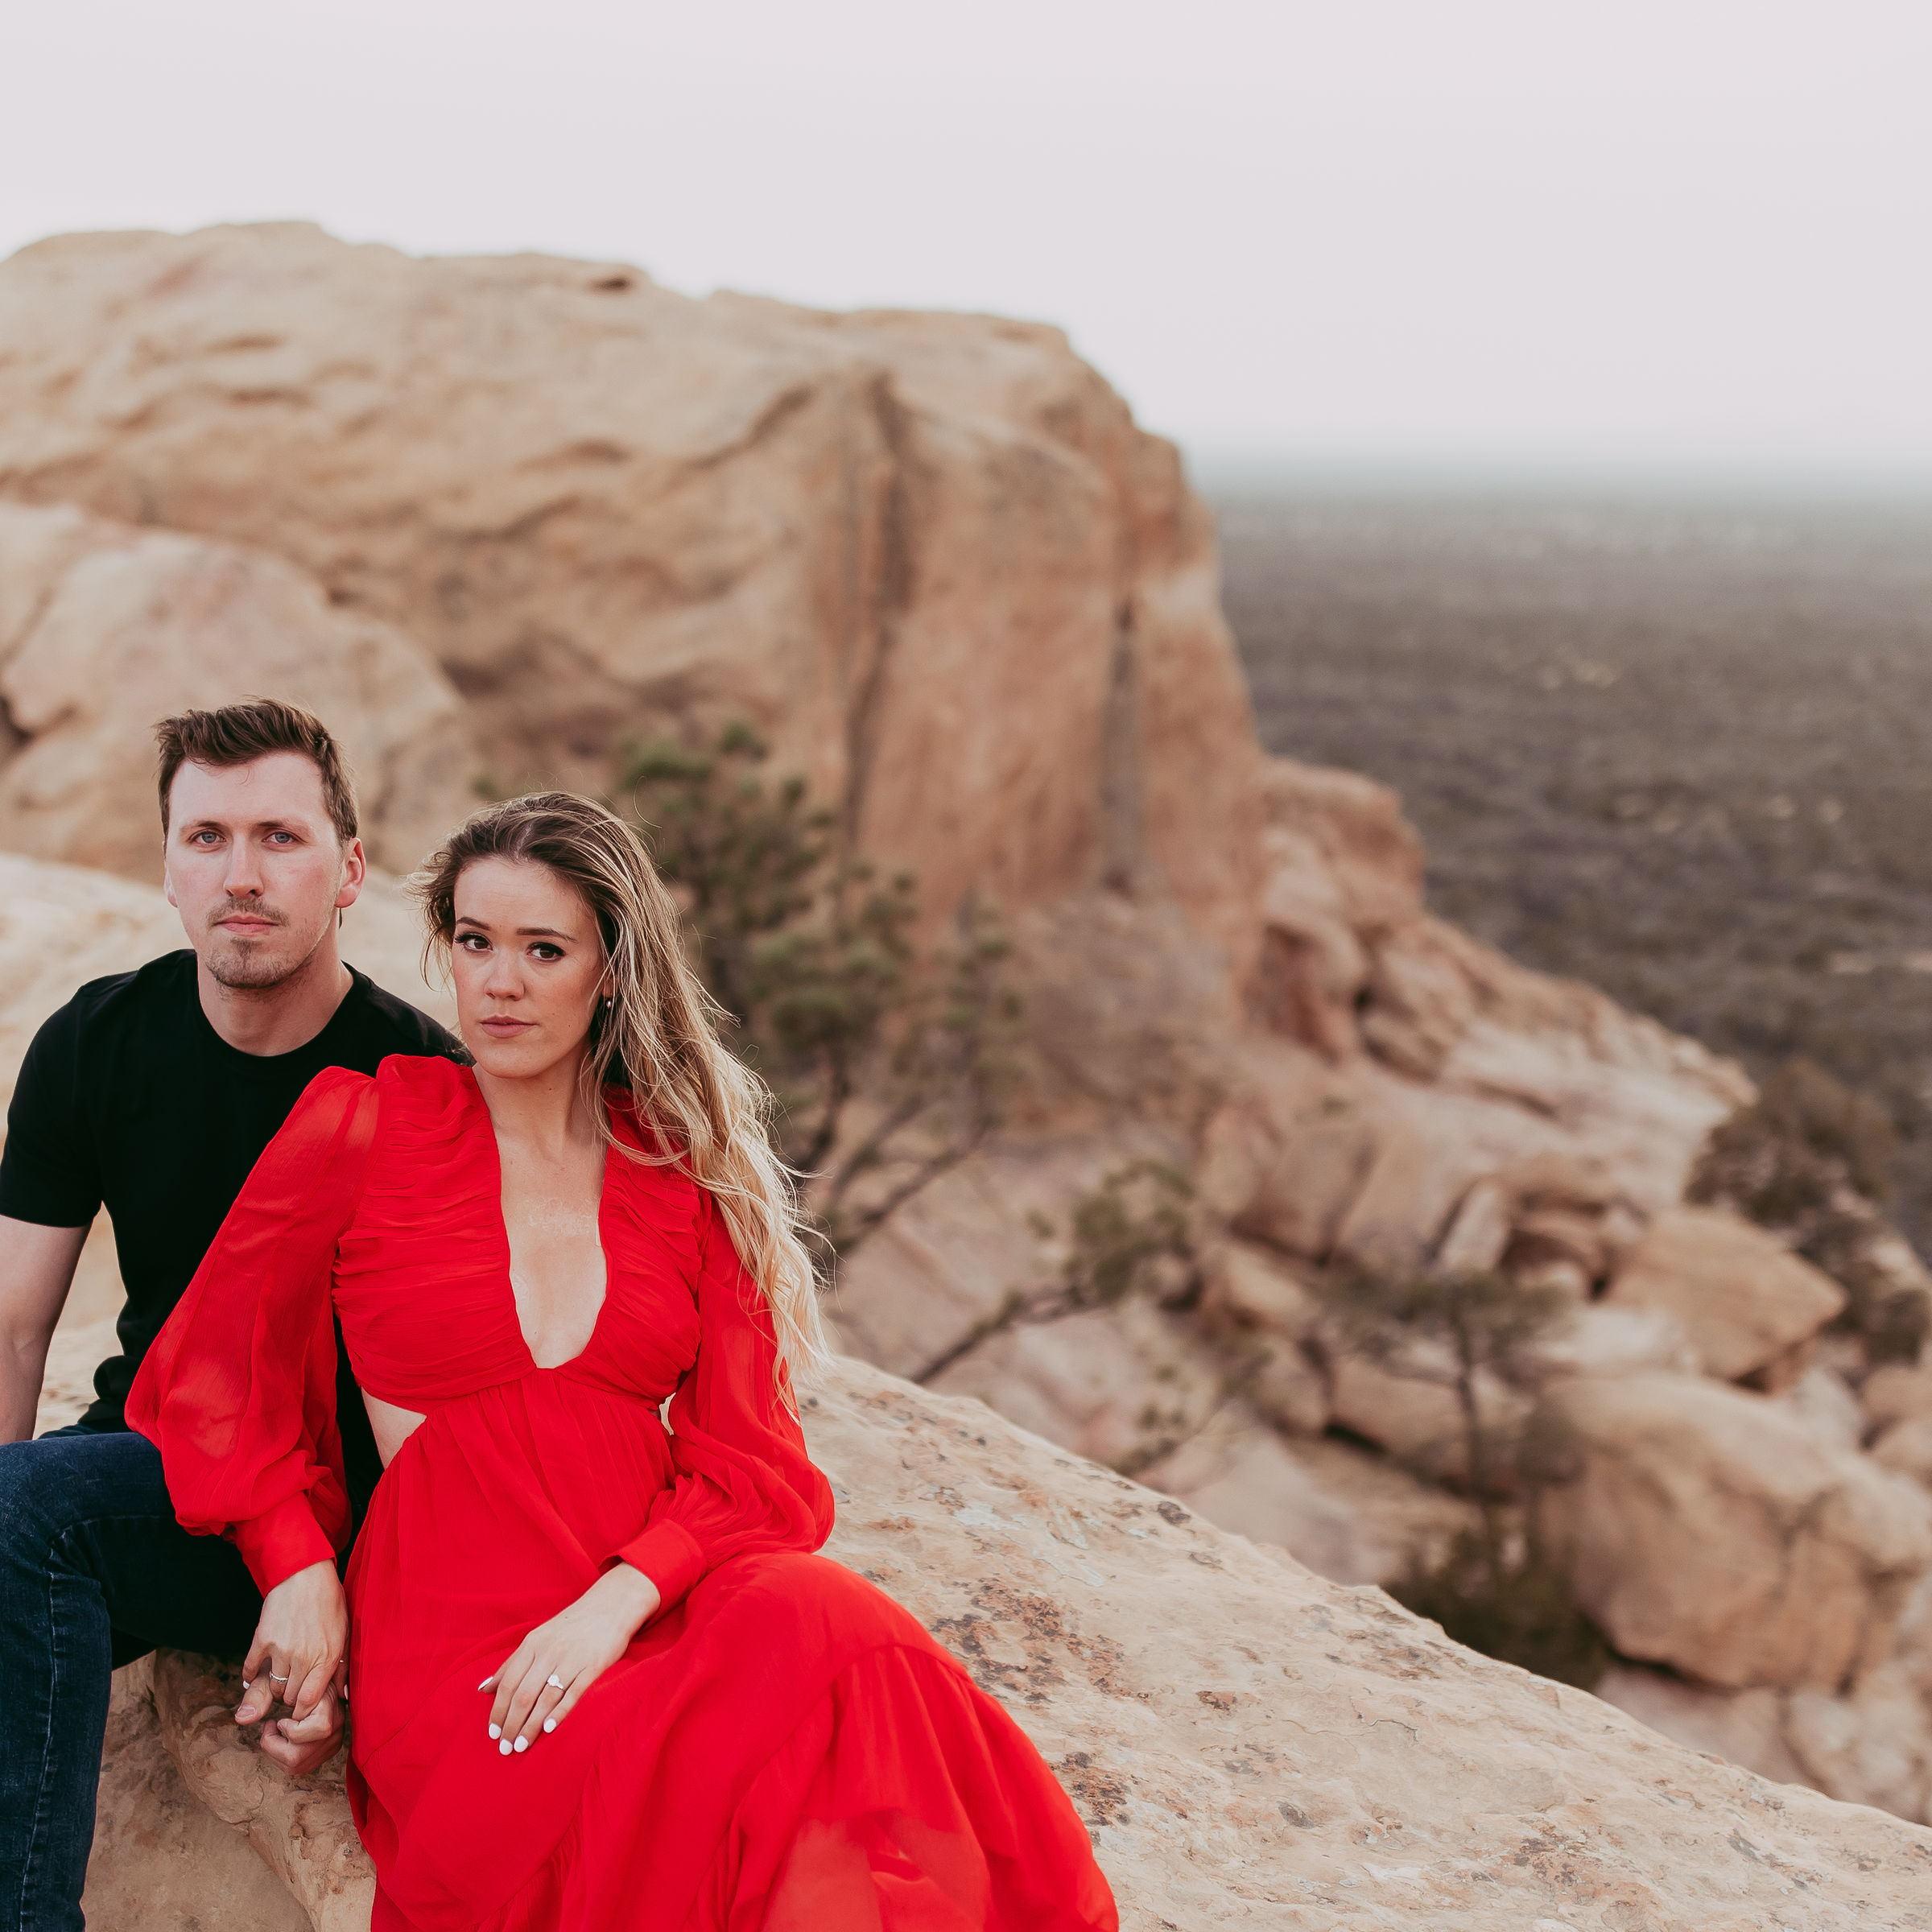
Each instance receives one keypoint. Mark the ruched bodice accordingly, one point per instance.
(779, 1737)
(433, 1141)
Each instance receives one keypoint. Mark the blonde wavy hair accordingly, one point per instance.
(659, 1037)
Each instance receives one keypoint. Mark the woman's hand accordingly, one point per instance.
(539, 1684)
(300, 1647)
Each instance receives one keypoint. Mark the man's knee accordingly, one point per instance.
(57, 1484)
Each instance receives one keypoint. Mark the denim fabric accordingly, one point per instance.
(94, 1572)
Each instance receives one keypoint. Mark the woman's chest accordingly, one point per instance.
(441, 1292)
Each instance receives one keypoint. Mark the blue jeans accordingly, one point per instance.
(94, 1572)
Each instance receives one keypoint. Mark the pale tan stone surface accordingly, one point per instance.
(1744, 1298)
(1708, 1528)
(1252, 1746)
(162, 1861)
(114, 627)
(930, 554)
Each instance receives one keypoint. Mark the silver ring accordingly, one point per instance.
(555, 1682)
(278, 1677)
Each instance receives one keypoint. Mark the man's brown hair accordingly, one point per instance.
(236, 734)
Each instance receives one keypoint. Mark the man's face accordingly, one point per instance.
(255, 867)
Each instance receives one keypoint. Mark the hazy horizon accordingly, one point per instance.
(1679, 237)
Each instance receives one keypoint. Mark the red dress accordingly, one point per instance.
(781, 1747)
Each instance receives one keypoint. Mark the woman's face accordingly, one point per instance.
(527, 960)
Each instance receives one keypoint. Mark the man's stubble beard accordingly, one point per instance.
(243, 966)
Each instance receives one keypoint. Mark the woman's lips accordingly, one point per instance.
(506, 1026)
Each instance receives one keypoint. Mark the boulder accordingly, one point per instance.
(1709, 1528)
(1748, 1303)
(1251, 1746)
(1122, 1385)
(105, 628)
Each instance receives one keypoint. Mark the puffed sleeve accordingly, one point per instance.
(744, 1479)
(238, 1390)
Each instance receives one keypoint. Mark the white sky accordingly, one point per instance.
(1654, 232)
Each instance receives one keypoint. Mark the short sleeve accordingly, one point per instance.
(744, 1479)
(48, 1171)
(238, 1390)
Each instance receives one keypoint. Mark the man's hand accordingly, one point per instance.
(300, 1744)
(301, 1642)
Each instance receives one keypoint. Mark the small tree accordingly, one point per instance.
(1131, 1235)
(1811, 1159)
(889, 1069)
(1496, 1592)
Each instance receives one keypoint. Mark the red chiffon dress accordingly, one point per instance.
(781, 1747)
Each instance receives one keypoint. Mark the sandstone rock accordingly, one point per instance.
(1119, 1385)
(1746, 1300)
(994, 1225)
(1898, 1392)
(1906, 1447)
(1745, 1728)
(1250, 1297)
(1708, 1529)
(104, 628)
(1420, 1421)
(1285, 1159)
(1366, 846)
(930, 554)
(1251, 1746)
(1824, 1402)
(161, 1860)
(1599, 1339)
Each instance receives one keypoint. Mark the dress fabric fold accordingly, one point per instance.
(781, 1746)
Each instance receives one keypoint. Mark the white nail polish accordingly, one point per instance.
(549, 1724)
(484, 1685)
(496, 1730)
(523, 1743)
(505, 1747)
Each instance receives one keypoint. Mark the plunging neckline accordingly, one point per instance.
(489, 1129)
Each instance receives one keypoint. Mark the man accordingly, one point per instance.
(152, 1093)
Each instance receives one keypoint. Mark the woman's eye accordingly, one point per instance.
(545, 951)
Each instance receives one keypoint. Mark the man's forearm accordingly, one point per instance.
(22, 1373)
(37, 1268)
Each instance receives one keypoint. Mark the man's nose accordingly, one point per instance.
(244, 876)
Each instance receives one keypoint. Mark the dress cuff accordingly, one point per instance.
(670, 1555)
(283, 1540)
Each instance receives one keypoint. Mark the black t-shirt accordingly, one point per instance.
(129, 1098)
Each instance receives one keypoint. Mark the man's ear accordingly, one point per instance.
(168, 884)
(355, 869)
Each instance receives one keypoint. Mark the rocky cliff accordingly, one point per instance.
(496, 518)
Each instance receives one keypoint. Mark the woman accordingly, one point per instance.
(600, 1678)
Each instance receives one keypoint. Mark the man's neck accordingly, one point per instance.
(275, 1019)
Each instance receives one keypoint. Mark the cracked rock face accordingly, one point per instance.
(1251, 1746)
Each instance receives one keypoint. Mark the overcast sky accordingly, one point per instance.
(1678, 233)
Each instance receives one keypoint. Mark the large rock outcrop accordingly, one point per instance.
(932, 555)
(1251, 1746)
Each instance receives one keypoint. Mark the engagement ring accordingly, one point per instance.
(553, 1678)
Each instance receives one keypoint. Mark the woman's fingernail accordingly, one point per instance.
(505, 1747)
(523, 1743)
(484, 1685)
(549, 1724)
(496, 1730)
